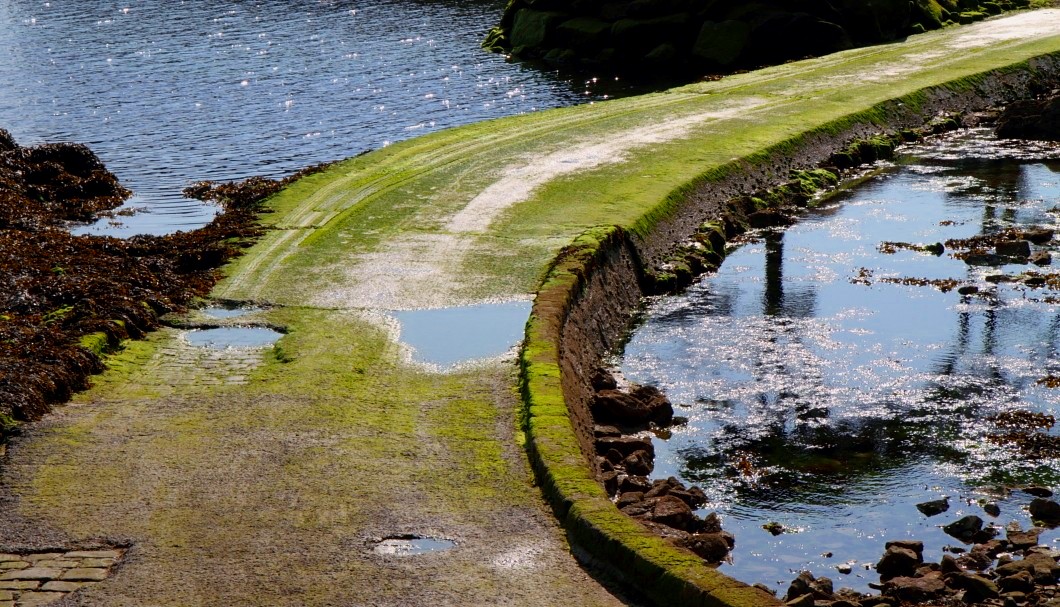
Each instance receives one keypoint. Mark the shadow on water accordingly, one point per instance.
(832, 403)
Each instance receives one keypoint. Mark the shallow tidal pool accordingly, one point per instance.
(834, 377)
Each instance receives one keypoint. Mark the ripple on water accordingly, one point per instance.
(167, 95)
(833, 405)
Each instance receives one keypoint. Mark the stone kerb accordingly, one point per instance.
(584, 305)
(597, 530)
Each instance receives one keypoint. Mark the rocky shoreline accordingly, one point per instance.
(66, 299)
(697, 37)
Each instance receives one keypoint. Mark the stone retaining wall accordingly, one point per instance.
(583, 311)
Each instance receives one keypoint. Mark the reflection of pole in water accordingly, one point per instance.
(774, 275)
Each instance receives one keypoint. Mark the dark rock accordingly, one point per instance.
(1013, 248)
(915, 589)
(968, 290)
(949, 565)
(934, 507)
(983, 259)
(721, 43)
(614, 457)
(602, 431)
(768, 218)
(1021, 540)
(628, 499)
(531, 28)
(977, 560)
(1038, 491)
(584, 33)
(805, 584)
(712, 547)
(897, 562)
(626, 445)
(672, 512)
(640, 406)
(7, 142)
(992, 509)
(711, 524)
(774, 527)
(915, 545)
(603, 380)
(1041, 258)
(965, 528)
(805, 600)
(610, 482)
(976, 587)
(639, 463)
(845, 569)
(1037, 235)
(634, 483)
(1031, 119)
(694, 496)
(1017, 582)
(1045, 510)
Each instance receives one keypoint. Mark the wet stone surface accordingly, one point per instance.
(28, 579)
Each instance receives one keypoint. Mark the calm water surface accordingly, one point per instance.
(169, 93)
(833, 406)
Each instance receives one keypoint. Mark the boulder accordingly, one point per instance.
(639, 463)
(532, 28)
(965, 528)
(712, 547)
(1046, 511)
(1021, 540)
(584, 33)
(976, 587)
(915, 589)
(897, 562)
(672, 512)
(934, 507)
(1013, 248)
(1031, 119)
(721, 43)
(626, 445)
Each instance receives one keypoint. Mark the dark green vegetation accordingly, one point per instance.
(697, 37)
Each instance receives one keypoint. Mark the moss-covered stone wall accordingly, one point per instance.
(708, 36)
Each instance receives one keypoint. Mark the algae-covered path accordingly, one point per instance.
(260, 478)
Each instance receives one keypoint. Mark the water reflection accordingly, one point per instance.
(832, 403)
(169, 93)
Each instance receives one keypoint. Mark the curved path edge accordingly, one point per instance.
(584, 306)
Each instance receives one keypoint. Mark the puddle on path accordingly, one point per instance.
(449, 336)
(233, 337)
(412, 546)
(221, 313)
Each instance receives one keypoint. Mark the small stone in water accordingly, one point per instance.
(844, 568)
(774, 527)
(1038, 491)
(992, 509)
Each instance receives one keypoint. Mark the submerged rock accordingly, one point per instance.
(965, 528)
(934, 507)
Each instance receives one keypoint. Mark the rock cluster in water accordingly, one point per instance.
(625, 458)
(1010, 572)
(709, 36)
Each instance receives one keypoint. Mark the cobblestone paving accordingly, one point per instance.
(40, 578)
